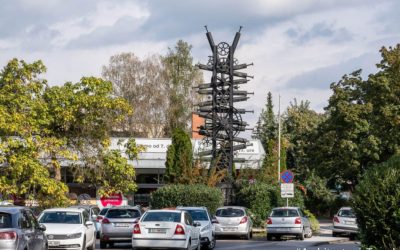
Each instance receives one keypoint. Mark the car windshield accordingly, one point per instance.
(346, 213)
(123, 213)
(229, 212)
(61, 217)
(284, 213)
(200, 215)
(5, 220)
(162, 216)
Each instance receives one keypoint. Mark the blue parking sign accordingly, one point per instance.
(287, 176)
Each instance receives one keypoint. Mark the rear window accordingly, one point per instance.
(284, 213)
(200, 215)
(346, 213)
(5, 220)
(123, 213)
(103, 211)
(162, 216)
(229, 212)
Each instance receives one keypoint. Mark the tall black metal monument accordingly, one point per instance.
(223, 122)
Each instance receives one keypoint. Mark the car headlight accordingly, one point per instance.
(208, 227)
(74, 236)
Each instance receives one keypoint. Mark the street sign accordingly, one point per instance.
(115, 199)
(287, 190)
(287, 176)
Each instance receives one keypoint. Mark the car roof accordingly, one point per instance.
(64, 209)
(164, 211)
(191, 208)
(11, 209)
(123, 207)
(225, 207)
(345, 208)
(285, 208)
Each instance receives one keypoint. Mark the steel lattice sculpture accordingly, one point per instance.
(223, 122)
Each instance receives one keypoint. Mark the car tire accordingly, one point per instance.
(310, 234)
(212, 243)
(301, 235)
(248, 235)
(269, 237)
(103, 244)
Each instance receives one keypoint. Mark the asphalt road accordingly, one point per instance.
(323, 241)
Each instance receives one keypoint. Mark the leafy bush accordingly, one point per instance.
(260, 198)
(376, 203)
(187, 195)
(313, 220)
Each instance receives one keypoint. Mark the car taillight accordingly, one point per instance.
(269, 221)
(105, 221)
(99, 218)
(243, 220)
(336, 219)
(297, 221)
(179, 229)
(9, 235)
(136, 229)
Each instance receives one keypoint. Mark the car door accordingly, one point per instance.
(89, 229)
(38, 236)
(193, 231)
(27, 230)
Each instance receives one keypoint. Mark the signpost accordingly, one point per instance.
(287, 186)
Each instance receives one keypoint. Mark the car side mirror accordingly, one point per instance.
(88, 223)
(42, 227)
(196, 224)
(214, 221)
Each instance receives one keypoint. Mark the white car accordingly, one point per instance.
(202, 215)
(166, 229)
(68, 228)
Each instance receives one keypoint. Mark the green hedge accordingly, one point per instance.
(313, 220)
(260, 198)
(376, 203)
(187, 195)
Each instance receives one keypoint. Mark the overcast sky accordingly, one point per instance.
(298, 47)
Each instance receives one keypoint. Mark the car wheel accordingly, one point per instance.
(103, 244)
(310, 233)
(248, 236)
(212, 243)
(301, 235)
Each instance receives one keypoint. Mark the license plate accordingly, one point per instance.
(54, 243)
(157, 230)
(122, 224)
(230, 229)
(349, 222)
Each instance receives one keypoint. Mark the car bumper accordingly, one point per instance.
(65, 244)
(284, 230)
(159, 243)
(231, 230)
(344, 230)
(116, 237)
(8, 244)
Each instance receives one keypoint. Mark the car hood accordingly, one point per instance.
(55, 228)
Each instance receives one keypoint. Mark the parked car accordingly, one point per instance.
(117, 225)
(345, 223)
(202, 215)
(166, 229)
(20, 230)
(288, 221)
(234, 221)
(93, 211)
(68, 228)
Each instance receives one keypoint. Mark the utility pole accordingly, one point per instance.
(279, 140)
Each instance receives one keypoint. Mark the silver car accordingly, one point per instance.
(19, 229)
(117, 225)
(233, 221)
(288, 221)
(344, 223)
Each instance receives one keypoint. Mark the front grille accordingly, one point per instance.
(57, 236)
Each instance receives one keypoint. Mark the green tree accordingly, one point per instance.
(269, 126)
(182, 76)
(179, 164)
